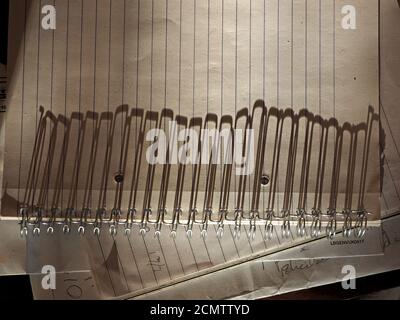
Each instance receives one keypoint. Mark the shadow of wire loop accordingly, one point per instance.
(56, 188)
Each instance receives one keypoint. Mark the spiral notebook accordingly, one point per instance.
(232, 125)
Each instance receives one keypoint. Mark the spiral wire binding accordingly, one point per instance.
(299, 220)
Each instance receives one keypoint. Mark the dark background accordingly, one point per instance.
(3, 30)
(13, 287)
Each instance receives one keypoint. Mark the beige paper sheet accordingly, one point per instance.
(214, 58)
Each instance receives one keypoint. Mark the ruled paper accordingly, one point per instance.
(193, 58)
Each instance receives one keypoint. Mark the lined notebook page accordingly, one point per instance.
(112, 64)
(108, 59)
